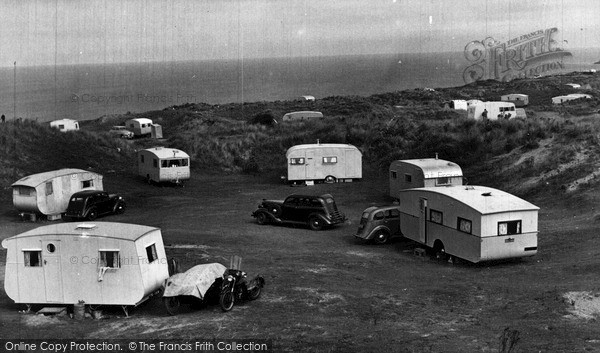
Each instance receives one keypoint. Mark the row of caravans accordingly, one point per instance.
(48, 193)
(475, 223)
(101, 263)
(107, 263)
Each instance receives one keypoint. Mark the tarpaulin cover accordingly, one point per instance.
(194, 281)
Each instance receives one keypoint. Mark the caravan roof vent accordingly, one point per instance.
(469, 187)
(486, 194)
(85, 226)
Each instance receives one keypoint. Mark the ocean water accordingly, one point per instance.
(83, 92)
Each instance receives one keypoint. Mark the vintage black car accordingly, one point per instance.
(315, 211)
(90, 204)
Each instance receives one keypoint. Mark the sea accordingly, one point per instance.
(84, 92)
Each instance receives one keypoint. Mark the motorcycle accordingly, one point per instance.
(235, 287)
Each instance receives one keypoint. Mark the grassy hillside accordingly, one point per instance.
(28, 147)
(555, 147)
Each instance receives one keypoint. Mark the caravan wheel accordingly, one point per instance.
(438, 251)
(330, 179)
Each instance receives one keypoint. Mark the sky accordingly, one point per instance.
(58, 32)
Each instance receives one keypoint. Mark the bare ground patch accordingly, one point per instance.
(583, 305)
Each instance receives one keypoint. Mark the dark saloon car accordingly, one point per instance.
(379, 224)
(90, 204)
(315, 211)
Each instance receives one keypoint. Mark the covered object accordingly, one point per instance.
(195, 281)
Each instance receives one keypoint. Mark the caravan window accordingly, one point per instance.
(151, 253)
(49, 190)
(329, 160)
(87, 184)
(168, 163)
(442, 181)
(509, 228)
(393, 174)
(32, 258)
(142, 158)
(61, 127)
(155, 163)
(25, 190)
(464, 225)
(109, 258)
(296, 160)
(408, 178)
(436, 216)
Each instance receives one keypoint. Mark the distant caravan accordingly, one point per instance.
(161, 164)
(491, 111)
(328, 162)
(475, 223)
(302, 116)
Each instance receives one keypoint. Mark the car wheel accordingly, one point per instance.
(172, 304)
(254, 293)
(262, 218)
(381, 237)
(315, 223)
(92, 214)
(330, 179)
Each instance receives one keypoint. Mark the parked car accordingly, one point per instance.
(121, 131)
(379, 224)
(315, 211)
(90, 204)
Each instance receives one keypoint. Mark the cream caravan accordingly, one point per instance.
(161, 164)
(416, 173)
(329, 162)
(49, 193)
(495, 110)
(101, 263)
(475, 223)
(65, 125)
(139, 126)
(301, 116)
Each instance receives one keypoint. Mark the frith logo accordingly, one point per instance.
(528, 55)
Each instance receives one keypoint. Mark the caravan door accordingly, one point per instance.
(311, 165)
(350, 164)
(52, 270)
(423, 220)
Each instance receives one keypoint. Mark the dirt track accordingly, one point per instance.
(325, 291)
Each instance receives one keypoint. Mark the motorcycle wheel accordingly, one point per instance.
(172, 304)
(226, 300)
(254, 293)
